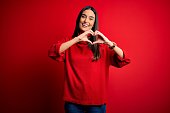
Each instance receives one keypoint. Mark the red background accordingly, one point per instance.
(31, 82)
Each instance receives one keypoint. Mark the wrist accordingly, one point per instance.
(76, 39)
(112, 45)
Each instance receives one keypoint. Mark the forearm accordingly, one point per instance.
(117, 50)
(64, 46)
(105, 40)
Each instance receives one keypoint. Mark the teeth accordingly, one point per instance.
(85, 24)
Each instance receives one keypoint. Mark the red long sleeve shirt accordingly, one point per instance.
(86, 80)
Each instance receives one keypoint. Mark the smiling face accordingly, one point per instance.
(87, 20)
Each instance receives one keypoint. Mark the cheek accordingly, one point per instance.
(81, 20)
(92, 24)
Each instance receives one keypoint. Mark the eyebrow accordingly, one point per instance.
(89, 16)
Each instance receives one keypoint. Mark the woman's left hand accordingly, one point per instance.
(102, 39)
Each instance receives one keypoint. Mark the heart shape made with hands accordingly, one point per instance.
(94, 33)
(100, 39)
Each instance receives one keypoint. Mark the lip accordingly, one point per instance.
(85, 24)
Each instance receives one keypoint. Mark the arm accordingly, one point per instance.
(64, 46)
(111, 44)
(117, 49)
(83, 37)
(117, 57)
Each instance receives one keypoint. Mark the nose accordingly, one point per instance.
(86, 20)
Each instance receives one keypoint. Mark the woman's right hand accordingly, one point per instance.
(84, 36)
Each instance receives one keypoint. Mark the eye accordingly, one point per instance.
(91, 18)
(83, 16)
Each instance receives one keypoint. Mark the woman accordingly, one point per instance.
(87, 56)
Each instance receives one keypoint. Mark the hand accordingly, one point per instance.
(83, 36)
(102, 39)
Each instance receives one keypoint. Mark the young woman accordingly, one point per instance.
(87, 56)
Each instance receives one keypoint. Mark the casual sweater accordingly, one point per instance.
(86, 81)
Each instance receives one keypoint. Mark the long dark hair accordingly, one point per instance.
(95, 47)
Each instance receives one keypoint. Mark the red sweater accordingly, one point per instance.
(86, 80)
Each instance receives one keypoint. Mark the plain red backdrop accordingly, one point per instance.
(31, 82)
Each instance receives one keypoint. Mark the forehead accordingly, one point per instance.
(89, 12)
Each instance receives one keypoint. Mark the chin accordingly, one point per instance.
(84, 29)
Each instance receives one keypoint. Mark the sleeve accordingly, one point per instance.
(117, 61)
(53, 52)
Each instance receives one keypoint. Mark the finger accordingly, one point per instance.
(98, 42)
(89, 41)
(91, 32)
(96, 31)
(95, 42)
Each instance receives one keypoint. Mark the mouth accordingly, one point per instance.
(85, 24)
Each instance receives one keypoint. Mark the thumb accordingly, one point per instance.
(95, 42)
(89, 41)
(98, 42)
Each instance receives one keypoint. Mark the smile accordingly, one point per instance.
(85, 24)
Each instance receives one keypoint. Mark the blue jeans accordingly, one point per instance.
(77, 108)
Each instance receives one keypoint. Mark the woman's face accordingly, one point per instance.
(87, 20)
